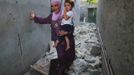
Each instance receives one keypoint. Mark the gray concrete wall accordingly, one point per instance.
(115, 19)
(22, 42)
(76, 12)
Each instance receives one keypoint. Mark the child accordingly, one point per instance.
(66, 24)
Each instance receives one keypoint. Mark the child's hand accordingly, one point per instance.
(32, 15)
(64, 13)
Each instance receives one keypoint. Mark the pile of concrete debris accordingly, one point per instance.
(88, 53)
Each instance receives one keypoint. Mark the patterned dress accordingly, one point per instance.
(65, 57)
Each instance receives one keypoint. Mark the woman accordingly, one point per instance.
(65, 57)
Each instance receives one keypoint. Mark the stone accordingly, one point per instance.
(94, 72)
(96, 51)
(85, 73)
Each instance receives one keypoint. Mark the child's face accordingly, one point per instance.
(55, 7)
(68, 6)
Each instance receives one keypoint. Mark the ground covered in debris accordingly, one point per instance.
(88, 53)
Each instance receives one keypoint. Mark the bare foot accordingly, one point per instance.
(55, 45)
(67, 48)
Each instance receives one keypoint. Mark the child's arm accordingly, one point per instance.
(65, 16)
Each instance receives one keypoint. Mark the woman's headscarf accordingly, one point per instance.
(55, 15)
(56, 2)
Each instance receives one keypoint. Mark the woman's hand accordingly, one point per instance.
(62, 33)
(32, 15)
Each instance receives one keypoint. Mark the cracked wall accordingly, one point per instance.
(22, 42)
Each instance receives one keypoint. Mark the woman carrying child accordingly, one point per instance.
(65, 57)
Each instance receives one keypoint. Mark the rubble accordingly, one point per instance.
(88, 59)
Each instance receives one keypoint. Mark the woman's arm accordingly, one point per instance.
(63, 33)
(40, 20)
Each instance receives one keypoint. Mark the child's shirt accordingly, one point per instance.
(70, 20)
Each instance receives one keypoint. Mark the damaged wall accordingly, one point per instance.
(22, 41)
(115, 20)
